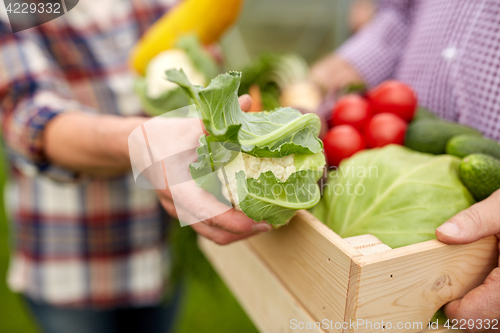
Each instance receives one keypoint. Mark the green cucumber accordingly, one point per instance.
(424, 113)
(464, 145)
(481, 174)
(431, 136)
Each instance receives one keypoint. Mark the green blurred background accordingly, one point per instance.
(310, 28)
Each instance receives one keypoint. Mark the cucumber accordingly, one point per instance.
(431, 136)
(424, 113)
(464, 145)
(481, 174)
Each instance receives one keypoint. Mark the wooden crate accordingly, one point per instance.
(307, 273)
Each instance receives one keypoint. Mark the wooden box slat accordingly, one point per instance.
(302, 256)
(411, 283)
(264, 298)
(305, 271)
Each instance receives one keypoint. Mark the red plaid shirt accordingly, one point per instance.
(96, 243)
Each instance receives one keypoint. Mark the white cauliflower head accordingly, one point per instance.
(156, 80)
(282, 168)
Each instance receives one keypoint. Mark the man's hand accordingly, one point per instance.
(198, 204)
(195, 204)
(332, 73)
(479, 221)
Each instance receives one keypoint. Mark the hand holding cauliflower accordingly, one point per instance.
(281, 156)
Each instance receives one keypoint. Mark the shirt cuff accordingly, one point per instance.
(375, 51)
(24, 135)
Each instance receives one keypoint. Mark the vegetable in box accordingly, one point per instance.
(398, 195)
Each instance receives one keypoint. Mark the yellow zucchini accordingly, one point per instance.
(208, 19)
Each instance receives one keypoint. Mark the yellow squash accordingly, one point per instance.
(208, 19)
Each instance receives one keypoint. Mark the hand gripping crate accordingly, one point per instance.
(304, 273)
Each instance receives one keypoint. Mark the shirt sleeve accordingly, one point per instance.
(33, 91)
(375, 51)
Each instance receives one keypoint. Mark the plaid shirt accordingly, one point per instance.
(93, 243)
(447, 50)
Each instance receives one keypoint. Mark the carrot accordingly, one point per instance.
(254, 92)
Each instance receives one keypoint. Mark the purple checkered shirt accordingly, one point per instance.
(447, 50)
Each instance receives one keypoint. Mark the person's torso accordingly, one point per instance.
(96, 242)
(452, 60)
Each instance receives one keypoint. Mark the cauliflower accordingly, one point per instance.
(156, 80)
(268, 136)
(282, 168)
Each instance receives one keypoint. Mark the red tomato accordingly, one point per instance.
(342, 142)
(384, 129)
(394, 97)
(351, 110)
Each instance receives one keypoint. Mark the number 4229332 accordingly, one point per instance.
(32, 8)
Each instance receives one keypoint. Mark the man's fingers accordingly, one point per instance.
(245, 102)
(479, 304)
(476, 222)
(170, 208)
(237, 222)
(217, 235)
(205, 207)
(203, 127)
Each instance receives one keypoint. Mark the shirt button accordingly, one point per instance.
(449, 53)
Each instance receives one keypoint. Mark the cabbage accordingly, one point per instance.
(393, 193)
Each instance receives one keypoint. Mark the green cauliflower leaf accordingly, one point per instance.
(277, 133)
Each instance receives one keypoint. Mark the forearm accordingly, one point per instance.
(370, 56)
(91, 144)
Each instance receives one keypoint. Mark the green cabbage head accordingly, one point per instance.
(396, 194)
